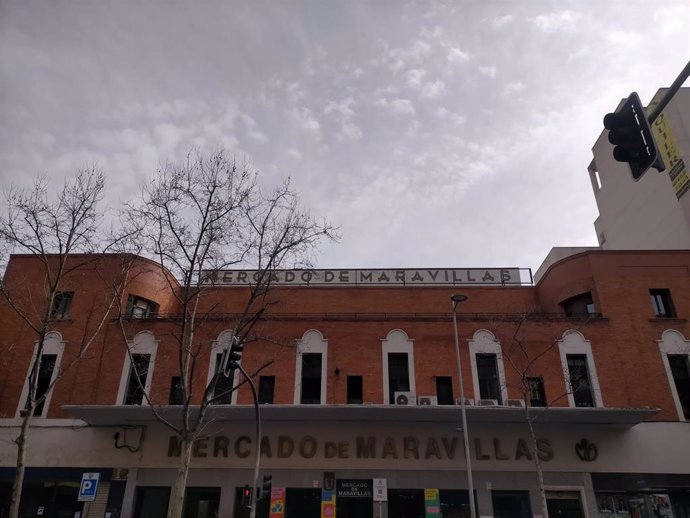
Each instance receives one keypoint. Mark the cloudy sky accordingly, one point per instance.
(443, 133)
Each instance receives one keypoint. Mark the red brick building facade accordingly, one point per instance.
(599, 347)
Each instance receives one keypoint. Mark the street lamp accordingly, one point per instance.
(457, 299)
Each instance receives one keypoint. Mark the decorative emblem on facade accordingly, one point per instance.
(586, 451)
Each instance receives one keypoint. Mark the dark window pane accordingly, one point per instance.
(398, 375)
(311, 379)
(662, 303)
(139, 307)
(355, 392)
(61, 304)
(45, 375)
(579, 306)
(151, 502)
(138, 372)
(536, 392)
(222, 392)
(579, 380)
(444, 390)
(487, 374)
(176, 391)
(680, 369)
(267, 385)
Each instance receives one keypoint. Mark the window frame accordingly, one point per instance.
(52, 344)
(484, 342)
(356, 378)
(143, 342)
(312, 342)
(151, 307)
(273, 390)
(397, 341)
(62, 298)
(675, 344)
(574, 343)
(662, 297)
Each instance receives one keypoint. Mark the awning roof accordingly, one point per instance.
(109, 415)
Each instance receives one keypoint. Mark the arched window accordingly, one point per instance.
(581, 381)
(137, 373)
(310, 369)
(488, 373)
(398, 365)
(48, 368)
(675, 353)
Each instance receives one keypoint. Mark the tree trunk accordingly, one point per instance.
(537, 464)
(22, 442)
(176, 503)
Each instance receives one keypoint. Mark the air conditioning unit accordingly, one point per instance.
(427, 401)
(515, 402)
(120, 473)
(405, 398)
(487, 402)
(468, 402)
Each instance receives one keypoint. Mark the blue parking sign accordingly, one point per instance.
(88, 487)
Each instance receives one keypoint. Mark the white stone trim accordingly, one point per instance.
(52, 344)
(674, 343)
(218, 346)
(143, 342)
(484, 342)
(397, 341)
(312, 342)
(573, 342)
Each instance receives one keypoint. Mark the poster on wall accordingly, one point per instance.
(277, 508)
(432, 503)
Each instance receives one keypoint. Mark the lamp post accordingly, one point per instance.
(455, 300)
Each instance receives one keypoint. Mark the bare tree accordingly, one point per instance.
(527, 359)
(199, 217)
(51, 228)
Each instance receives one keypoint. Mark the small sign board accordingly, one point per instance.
(380, 490)
(88, 487)
(354, 488)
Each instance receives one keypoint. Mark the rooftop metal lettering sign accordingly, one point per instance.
(384, 277)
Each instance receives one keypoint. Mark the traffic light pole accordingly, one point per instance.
(257, 441)
(684, 74)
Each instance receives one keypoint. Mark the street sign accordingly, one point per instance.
(88, 487)
(380, 490)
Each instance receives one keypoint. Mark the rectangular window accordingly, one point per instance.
(398, 375)
(176, 391)
(680, 370)
(487, 374)
(61, 305)
(46, 368)
(267, 387)
(579, 306)
(311, 379)
(136, 383)
(139, 307)
(222, 392)
(444, 390)
(662, 303)
(355, 390)
(536, 392)
(580, 384)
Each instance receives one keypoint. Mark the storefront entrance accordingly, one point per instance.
(564, 504)
(302, 503)
(406, 503)
(354, 498)
(511, 504)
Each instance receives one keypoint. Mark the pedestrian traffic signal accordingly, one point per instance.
(232, 356)
(246, 496)
(631, 134)
(266, 486)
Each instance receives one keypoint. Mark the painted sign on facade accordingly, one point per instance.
(432, 503)
(667, 143)
(386, 277)
(277, 508)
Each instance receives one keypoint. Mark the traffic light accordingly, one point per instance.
(266, 486)
(246, 496)
(232, 356)
(631, 134)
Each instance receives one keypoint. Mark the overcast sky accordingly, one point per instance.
(446, 133)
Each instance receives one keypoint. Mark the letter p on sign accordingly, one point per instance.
(88, 487)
